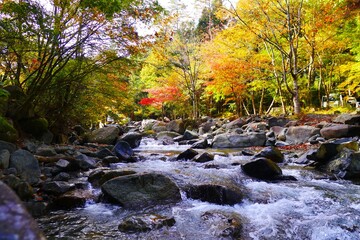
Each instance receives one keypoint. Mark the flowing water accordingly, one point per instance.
(310, 208)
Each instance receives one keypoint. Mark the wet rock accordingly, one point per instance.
(215, 194)
(84, 162)
(339, 131)
(103, 153)
(262, 168)
(201, 144)
(105, 135)
(72, 199)
(351, 119)
(271, 153)
(233, 140)
(274, 121)
(16, 222)
(167, 135)
(62, 176)
(159, 127)
(132, 138)
(4, 158)
(300, 134)
(189, 135)
(111, 159)
(63, 164)
(204, 157)
(238, 123)
(123, 151)
(26, 165)
(22, 188)
(147, 124)
(46, 151)
(145, 222)
(113, 174)
(223, 224)
(303, 159)
(56, 187)
(255, 127)
(141, 190)
(187, 154)
(327, 151)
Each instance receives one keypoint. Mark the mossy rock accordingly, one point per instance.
(7, 131)
(35, 126)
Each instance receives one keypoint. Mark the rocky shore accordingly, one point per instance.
(53, 176)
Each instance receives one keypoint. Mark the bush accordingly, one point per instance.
(36, 126)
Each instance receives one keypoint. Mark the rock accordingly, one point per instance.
(189, 135)
(201, 144)
(204, 157)
(111, 159)
(167, 135)
(132, 138)
(215, 194)
(255, 127)
(105, 135)
(233, 140)
(303, 159)
(223, 225)
(4, 158)
(56, 187)
(113, 174)
(159, 127)
(8, 146)
(300, 134)
(7, 131)
(37, 127)
(345, 165)
(16, 222)
(271, 153)
(72, 199)
(141, 190)
(187, 154)
(339, 131)
(262, 168)
(46, 151)
(329, 150)
(26, 165)
(22, 188)
(103, 153)
(238, 123)
(177, 126)
(350, 119)
(274, 121)
(145, 222)
(84, 162)
(62, 176)
(63, 164)
(147, 124)
(123, 151)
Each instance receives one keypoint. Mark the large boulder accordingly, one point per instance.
(84, 162)
(26, 165)
(132, 138)
(105, 135)
(274, 121)
(15, 221)
(238, 123)
(177, 126)
(123, 151)
(8, 146)
(4, 158)
(339, 131)
(262, 168)
(351, 119)
(300, 134)
(271, 153)
(7, 131)
(223, 224)
(138, 191)
(234, 140)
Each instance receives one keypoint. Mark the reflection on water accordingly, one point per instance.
(310, 208)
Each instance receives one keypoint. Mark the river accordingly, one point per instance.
(311, 208)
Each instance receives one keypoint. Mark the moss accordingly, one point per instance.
(7, 131)
(36, 126)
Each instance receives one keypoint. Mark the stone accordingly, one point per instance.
(217, 194)
(271, 153)
(300, 134)
(166, 135)
(84, 162)
(350, 119)
(62, 176)
(105, 135)
(201, 144)
(63, 164)
(188, 154)
(145, 222)
(8, 146)
(56, 187)
(26, 165)
(177, 126)
(223, 225)
(132, 138)
(280, 122)
(22, 188)
(339, 131)
(238, 123)
(147, 124)
(139, 191)
(204, 157)
(159, 127)
(46, 151)
(15, 221)
(123, 151)
(113, 174)
(103, 153)
(233, 140)
(4, 158)
(189, 135)
(345, 165)
(72, 199)
(262, 168)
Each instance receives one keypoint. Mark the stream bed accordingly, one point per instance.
(312, 207)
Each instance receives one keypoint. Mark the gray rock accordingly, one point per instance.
(84, 162)
(300, 134)
(16, 222)
(177, 126)
(123, 151)
(201, 144)
(4, 158)
(238, 123)
(204, 157)
(281, 122)
(103, 153)
(142, 190)
(351, 119)
(188, 154)
(262, 168)
(72, 199)
(26, 165)
(46, 151)
(145, 222)
(132, 138)
(8, 146)
(231, 140)
(167, 134)
(189, 135)
(223, 224)
(346, 165)
(57, 187)
(147, 124)
(339, 131)
(271, 153)
(105, 135)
